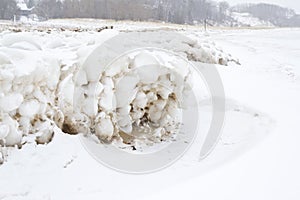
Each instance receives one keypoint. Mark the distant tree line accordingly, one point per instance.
(7, 9)
(181, 12)
(185, 11)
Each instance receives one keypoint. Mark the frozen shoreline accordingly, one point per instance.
(259, 141)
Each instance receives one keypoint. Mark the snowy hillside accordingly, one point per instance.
(42, 156)
(246, 19)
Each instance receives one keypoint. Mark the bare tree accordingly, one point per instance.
(223, 9)
(49, 9)
(30, 3)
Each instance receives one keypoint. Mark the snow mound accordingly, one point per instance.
(38, 74)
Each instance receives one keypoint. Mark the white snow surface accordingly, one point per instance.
(257, 157)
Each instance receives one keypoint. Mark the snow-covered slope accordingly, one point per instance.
(246, 19)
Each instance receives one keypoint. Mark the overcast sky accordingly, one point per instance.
(294, 4)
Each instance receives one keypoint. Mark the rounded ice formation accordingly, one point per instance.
(10, 102)
(137, 100)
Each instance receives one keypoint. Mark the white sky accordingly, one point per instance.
(293, 4)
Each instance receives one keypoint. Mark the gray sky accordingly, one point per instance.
(293, 4)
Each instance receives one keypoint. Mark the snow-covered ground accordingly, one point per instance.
(268, 81)
(257, 156)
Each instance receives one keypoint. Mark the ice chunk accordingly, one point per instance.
(140, 100)
(53, 72)
(154, 113)
(29, 108)
(11, 102)
(125, 124)
(118, 66)
(45, 136)
(80, 78)
(107, 99)
(90, 106)
(14, 136)
(145, 58)
(105, 128)
(4, 130)
(124, 110)
(149, 73)
(126, 90)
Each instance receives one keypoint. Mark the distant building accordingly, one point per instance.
(23, 11)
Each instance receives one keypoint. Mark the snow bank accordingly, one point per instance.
(39, 72)
(28, 79)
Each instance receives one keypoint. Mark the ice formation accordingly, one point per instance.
(136, 100)
(43, 86)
